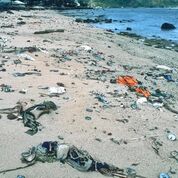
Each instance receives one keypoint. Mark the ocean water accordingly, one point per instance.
(143, 21)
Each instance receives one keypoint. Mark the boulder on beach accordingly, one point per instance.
(167, 26)
(129, 29)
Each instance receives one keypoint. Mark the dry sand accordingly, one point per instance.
(69, 120)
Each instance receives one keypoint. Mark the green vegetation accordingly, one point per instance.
(134, 3)
(104, 3)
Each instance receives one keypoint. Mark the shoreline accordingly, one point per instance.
(112, 23)
(84, 59)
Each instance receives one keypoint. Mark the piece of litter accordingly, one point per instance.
(26, 57)
(20, 176)
(174, 154)
(164, 175)
(163, 67)
(88, 118)
(86, 48)
(157, 105)
(141, 101)
(6, 88)
(56, 90)
(172, 137)
(23, 91)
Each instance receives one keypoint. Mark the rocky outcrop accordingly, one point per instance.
(167, 26)
(96, 20)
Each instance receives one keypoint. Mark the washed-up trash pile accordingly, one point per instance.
(6, 88)
(27, 116)
(78, 159)
(162, 72)
(133, 84)
(157, 98)
(101, 75)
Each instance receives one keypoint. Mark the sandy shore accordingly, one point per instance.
(135, 130)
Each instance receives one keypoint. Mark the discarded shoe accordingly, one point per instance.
(29, 119)
(79, 159)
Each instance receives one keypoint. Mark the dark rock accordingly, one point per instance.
(19, 18)
(9, 12)
(98, 139)
(21, 23)
(7, 26)
(167, 26)
(2, 70)
(79, 20)
(11, 116)
(108, 20)
(109, 30)
(129, 29)
(60, 84)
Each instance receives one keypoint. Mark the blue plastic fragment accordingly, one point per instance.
(20, 176)
(168, 78)
(164, 175)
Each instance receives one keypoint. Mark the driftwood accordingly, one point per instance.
(49, 31)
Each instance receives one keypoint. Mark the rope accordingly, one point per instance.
(17, 168)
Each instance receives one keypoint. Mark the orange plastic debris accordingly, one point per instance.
(143, 91)
(127, 80)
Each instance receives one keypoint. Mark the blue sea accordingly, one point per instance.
(143, 21)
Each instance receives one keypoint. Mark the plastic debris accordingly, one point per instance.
(164, 175)
(56, 90)
(133, 85)
(23, 91)
(141, 101)
(26, 57)
(86, 48)
(157, 105)
(168, 78)
(129, 81)
(88, 118)
(163, 67)
(172, 137)
(6, 88)
(17, 2)
(101, 97)
(142, 91)
(20, 176)
(134, 105)
(18, 74)
(172, 170)
(174, 154)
